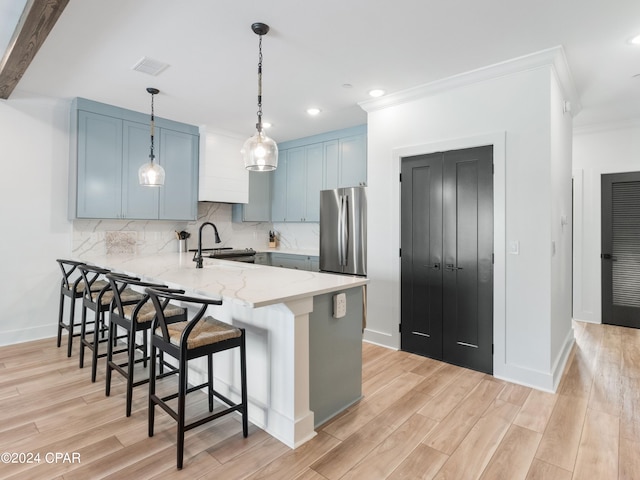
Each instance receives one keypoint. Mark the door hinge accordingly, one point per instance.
(493, 258)
(492, 349)
(400, 252)
(400, 327)
(400, 177)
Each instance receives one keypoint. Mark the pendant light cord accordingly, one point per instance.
(151, 155)
(259, 124)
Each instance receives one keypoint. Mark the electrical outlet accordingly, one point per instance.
(339, 305)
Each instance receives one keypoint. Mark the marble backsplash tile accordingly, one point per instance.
(155, 236)
(121, 242)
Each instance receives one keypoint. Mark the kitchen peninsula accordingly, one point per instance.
(304, 366)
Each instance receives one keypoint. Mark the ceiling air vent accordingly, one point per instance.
(150, 66)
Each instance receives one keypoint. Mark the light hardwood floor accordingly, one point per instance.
(419, 419)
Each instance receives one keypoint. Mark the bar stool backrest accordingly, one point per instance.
(90, 274)
(160, 300)
(69, 282)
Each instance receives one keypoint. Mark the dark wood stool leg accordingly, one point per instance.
(97, 332)
(112, 334)
(152, 388)
(72, 321)
(210, 379)
(60, 316)
(182, 393)
(243, 381)
(83, 332)
(130, 364)
(146, 347)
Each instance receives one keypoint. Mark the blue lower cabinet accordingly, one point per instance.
(297, 262)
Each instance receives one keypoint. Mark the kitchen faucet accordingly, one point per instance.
(198, 257)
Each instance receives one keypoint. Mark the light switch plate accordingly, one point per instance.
(339, 305)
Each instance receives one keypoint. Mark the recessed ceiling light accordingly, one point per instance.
(376, 92)
(635, 40)
(313, 111)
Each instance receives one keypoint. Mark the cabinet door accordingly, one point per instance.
(263, 258)
(99, 166)
(138, 202)
(353, 161)
(297, 262)
(315, 264)
(259, 207)
(179, 157)
(296, 185)
(279, 189)
(331, 165)
(313, 158)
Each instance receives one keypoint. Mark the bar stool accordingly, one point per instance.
(99, 301)
(71, 286)
(200, 336)
(133, 318)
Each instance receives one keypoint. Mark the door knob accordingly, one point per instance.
(435, 266)
(451, 267)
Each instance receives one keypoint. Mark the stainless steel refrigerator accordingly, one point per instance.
(343, 231)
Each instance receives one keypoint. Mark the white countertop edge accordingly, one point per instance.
(241, 287)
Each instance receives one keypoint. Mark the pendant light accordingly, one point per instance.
(151, 174)
(260, 153)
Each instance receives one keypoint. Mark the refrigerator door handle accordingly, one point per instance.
(343, 229)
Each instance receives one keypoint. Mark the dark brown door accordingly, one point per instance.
(447, 256)
(621, 249)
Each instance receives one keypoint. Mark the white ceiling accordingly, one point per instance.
(10, 11)
(314, 47)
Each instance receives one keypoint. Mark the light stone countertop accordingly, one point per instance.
(240, 283)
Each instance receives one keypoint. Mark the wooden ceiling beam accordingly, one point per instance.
(36, 21)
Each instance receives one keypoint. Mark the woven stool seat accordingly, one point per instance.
(206, 332)
(127, 296)
(147, 312)
(95, 287)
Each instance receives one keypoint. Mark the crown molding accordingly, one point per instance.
(631, 123)
(553, 57)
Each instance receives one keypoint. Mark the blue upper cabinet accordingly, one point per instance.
(321, 162)
(99, 174)
(179, 157)
(314, 156)
(279, 188)
(137, 201)
(296, 185)
(353, 161)
(111, 145)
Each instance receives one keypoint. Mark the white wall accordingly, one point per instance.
(517, 109)
(561, 216)
(596, 151)
(35, 229)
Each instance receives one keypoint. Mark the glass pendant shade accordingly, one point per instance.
(260, 153)
(151, 175)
